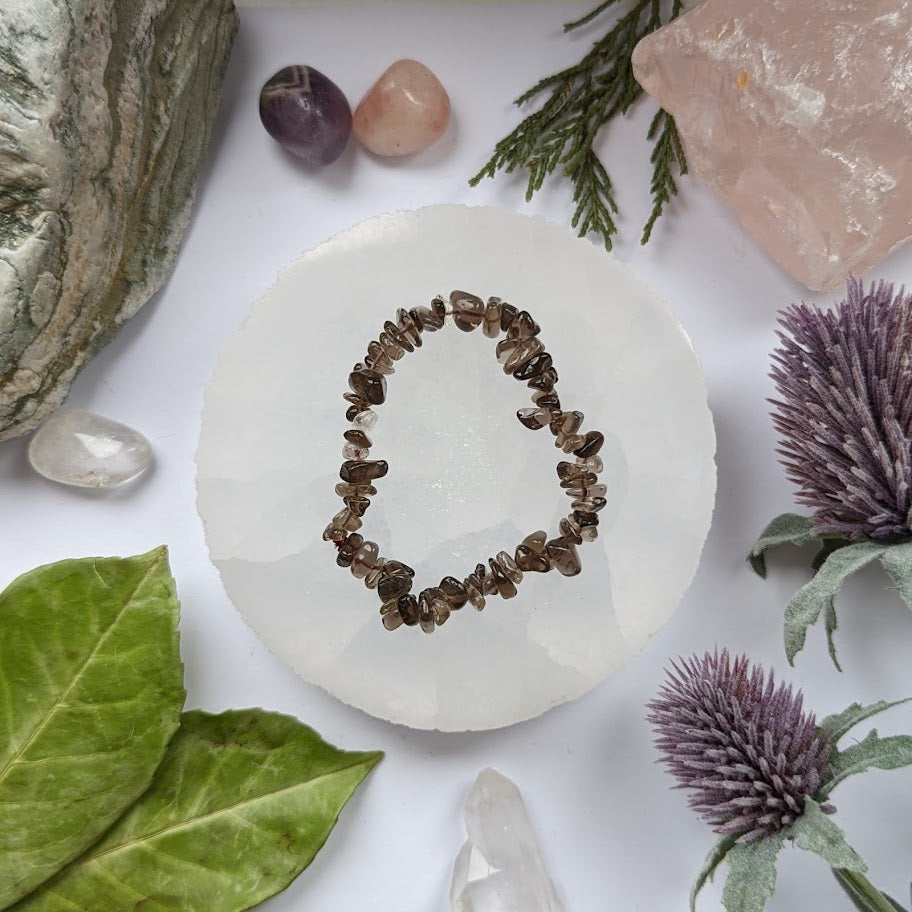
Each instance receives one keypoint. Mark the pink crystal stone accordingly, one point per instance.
(799, 114)
(406, 110)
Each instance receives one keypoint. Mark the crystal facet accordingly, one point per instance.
(796, 114)
(88, 451)
(499, 868)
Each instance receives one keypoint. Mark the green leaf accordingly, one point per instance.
(241, 804)
(864, 895)
(897, 561)
(874, 752)
(831, 624)
(90, 694)
(713, 860)
(813, 598)
(787, 529)
(839, 724)
(815, 832)
(751, 877)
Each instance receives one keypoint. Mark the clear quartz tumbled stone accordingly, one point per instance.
(499, 868)
(86, 450)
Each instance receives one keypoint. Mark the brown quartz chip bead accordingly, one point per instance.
(398, 336)
(484, 580)
(394, 351)
(567, 470)
(390, 616)
(351, 411)
(393, 585)
(593, 443)
(369, 385)
(378, 360)
(333, 533)
(536, 541)
(358, 438)
(571, 443)
(534, 418)
(569, 528)
(355, 490)
(454, 591)
(440, 606)
(394, 566)
(505, 586)
(565, 425)
(580, 481)
(524, 352)
(531, 562)
(355, 399)
(347, 551)
(589, 491)
(523, 326)
(425, 613)
(507, 315)
(409, 328)
(363, 471)
(439, 307)
(358, 505)
(365, 559)
(510, 567)
(533, 367)
(545, 380)
(564, 556)
(408, 608)
(546, 400)
(347, 520)
(468, 310)
(476, 599)
(491, 325)
(588, 523)
(589, 504)
(426, 319)
(374, 575)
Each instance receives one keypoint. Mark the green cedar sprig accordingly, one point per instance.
(581, 100)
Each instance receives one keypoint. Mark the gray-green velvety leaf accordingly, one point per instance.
(241, 804)
(897, 561)
(787, 529)
(751, 877)
(713, 860)
(90, 694)
(874, 752)
(814, 832)
(839, 724)
(812, 599)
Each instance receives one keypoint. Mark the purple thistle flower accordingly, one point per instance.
(741, 745)
(845, 378)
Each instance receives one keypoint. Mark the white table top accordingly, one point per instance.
(612, 833)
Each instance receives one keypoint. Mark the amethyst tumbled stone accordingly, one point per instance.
(306, 113)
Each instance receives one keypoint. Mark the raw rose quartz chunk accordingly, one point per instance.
(798, 114)
(406, 110)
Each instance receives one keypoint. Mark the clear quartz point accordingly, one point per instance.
(499, 868)
(88, 451)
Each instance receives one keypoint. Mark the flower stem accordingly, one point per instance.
(865, 896)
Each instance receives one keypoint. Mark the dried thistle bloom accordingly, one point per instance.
(845, 416)
(741, 745)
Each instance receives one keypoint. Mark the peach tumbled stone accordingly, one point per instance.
(405, 111)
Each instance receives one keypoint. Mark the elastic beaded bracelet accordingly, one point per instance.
(522, 354)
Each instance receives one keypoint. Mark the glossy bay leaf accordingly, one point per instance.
(91, 690)
(241, 804)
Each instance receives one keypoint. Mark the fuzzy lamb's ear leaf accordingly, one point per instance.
(897, 561)
(874, 752)
(839, 724)
(751, 877)
(814, 832)
(787, 529)
(713, 860)
(812, 599)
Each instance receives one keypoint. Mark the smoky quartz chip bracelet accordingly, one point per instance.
(523, 355)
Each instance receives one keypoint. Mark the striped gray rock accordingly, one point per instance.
(105, 113)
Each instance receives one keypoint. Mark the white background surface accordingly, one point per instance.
(612, 833)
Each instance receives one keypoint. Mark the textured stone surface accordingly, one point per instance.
(499, 868)
(406, 110)
(88, 451)
(799, 114)
(105, 113)
(465, 479)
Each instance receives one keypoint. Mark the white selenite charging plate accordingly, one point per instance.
(466, 479)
